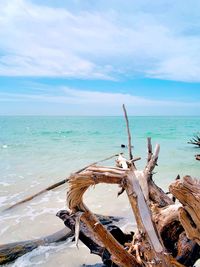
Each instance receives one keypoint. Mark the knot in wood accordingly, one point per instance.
(95, 178)
(133, 194)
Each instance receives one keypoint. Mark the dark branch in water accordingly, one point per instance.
(53, 186)
(12, 251)
(195, 141)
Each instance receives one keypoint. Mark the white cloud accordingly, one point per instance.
(101, 43)
(75, 97)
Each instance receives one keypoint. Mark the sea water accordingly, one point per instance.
(38, 151)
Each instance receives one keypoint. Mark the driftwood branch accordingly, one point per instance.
(78, 184)
(10, 252)
(90, 240)
(149, 149)
(53, 186)
(195, 141)
(148, 237)
(155, 252)
(187, 191)
(197, 157)
(129, 134)
(155, 193)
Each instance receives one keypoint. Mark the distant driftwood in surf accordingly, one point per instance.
(195, 141)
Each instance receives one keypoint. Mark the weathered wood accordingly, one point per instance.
(155, 193)
(119, 255)
(158, 196)
(53, 186)
(129, 134)
(78, 184)
(162, 217)
(156, 240)
(149, 149)
(195, 141)
(37, 194)
(92, 241)
(187, 191)
(188, 251)
(197, 157)
(10, 252)
(155, 252)
(184, 250)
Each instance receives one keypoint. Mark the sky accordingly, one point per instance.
(89, 57)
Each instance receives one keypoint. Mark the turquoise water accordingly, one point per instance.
(59, 145)
(38, 151)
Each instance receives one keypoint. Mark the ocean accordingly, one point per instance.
(38, 151)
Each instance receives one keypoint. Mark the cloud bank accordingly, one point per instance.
(96, 99)
(100, 40)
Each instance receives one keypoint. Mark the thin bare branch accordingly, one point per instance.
(149, 149)
(53, 186)
(129, 134)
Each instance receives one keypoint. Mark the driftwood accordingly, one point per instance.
(147, 236)
(168, 231)
(195, 141)
(129, 133)
(10, 252)
(197, 157)
(187, 191)
(53, 186)
(173, 246)
(162, 237)
(87, 237)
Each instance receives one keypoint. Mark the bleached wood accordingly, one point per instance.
(119, 255)
(149, 149)
(129, 134)
(164, 216)
(78, 185)
(187, 191)
(140, 208)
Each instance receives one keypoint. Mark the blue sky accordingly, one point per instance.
(89, 57)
